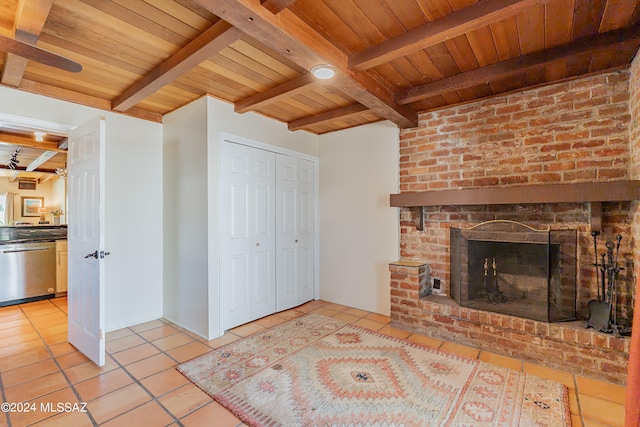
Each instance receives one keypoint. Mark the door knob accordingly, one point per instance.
(257, 244)
(92, 255)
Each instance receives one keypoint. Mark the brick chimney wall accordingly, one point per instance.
(576, 131)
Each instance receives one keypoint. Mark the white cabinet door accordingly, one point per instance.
(248, 234)
(294, 228)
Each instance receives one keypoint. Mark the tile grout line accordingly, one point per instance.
(137, 381)
(55, 360)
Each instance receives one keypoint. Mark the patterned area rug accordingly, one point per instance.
(320, 371)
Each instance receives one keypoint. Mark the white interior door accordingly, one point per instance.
(287, 232)
(248, 234)
(85, 295)
(306, 224)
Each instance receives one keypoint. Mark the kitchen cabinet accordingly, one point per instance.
(61, 266)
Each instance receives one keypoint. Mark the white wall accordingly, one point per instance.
(360, 233)
(133, 276)
(186, 276)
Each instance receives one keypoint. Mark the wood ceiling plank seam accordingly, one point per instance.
(425, 66)
(454, 24)
(278, 56)
(507, 46)
(109, 39)
(226, 68)
(519, 65)
(276, 93)
(90, 47)
(315, 102)
(30, 18)
(328, 97)
(205, 83)
(433, 10)
(108, 86)
(382, 16)
(483, 46)
(207, 44)
(301, 108)
(161, 18)
(93, 65)
(341, 35)
(253, 65)
(558, 23)
(531, 29)
(332, 93)
(408, 12)
(94, 17)
(195, 8)
(328, 116)
(443, 60)
(206, 79)
(142, 22)
(462, 53)
(77, 86)
(348, 11)
(587, 17)
(616, 14)
(185, 14)
(399, 73)
(258, 55)
(307, 48)
(276, 6)
(80, 98)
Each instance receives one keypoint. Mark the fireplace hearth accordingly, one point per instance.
(507, 267)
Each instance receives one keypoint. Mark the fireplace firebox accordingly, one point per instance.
(510, 268)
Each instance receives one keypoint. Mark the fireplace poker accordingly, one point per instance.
(595, 264)
(599, 310)
(614, 290)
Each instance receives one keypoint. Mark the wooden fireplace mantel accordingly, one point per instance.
(582, 192)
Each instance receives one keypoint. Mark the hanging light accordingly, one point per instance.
(323, 71)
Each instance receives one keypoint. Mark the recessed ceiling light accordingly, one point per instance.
(323, 71)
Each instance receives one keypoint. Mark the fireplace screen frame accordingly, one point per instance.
(554, 252)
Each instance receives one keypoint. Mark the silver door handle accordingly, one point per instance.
(97, 255)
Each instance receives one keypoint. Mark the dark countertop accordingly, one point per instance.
(31, 233)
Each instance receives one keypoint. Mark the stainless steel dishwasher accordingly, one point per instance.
(27, 271)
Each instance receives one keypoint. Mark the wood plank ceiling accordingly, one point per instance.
(394, 58)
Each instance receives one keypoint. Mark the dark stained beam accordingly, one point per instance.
(327, 117)
(275, 94)
(618, 39)
(450, 26)
(276, 6)
(30, 18)
(289, 35)
(214, 39)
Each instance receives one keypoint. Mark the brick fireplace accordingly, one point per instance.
(577, 131)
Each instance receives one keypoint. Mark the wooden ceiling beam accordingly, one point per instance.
(206, 45)
(450, 26)
(23, 141)
(327, 117)
(83, 99)
(30, 18)
(275, 94)
(276, 6)
(43, 158)
(612, 40)
(289, 35)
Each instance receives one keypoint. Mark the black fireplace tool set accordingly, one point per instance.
(603, 314)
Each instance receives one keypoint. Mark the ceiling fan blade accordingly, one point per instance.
(37, 54)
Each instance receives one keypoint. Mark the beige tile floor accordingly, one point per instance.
(140, 386)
